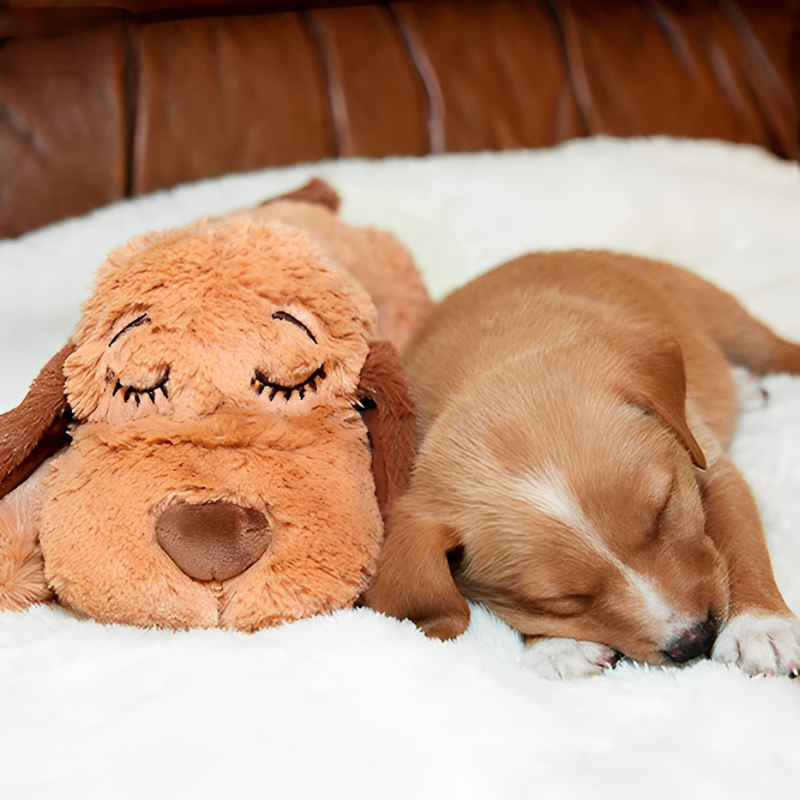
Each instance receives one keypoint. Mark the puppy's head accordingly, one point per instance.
(602, 543)
(569, 511)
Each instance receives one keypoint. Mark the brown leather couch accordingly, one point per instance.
(106, 99)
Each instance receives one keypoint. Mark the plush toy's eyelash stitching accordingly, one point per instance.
(285, 315)
(140, 320)
(261, 382)
(150, 391)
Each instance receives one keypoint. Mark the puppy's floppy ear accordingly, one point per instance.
(387, 409)
(37, 427)
(413, 580)
(660, 386)
(315, 191)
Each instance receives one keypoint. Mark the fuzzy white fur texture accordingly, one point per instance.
(358, 705)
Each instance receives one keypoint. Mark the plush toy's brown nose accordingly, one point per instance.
(212, 541)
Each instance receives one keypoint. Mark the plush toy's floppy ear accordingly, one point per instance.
(315, 191)
(413, 579)
(37, 427)
(388, 411)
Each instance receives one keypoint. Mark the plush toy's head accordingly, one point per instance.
(220, 387)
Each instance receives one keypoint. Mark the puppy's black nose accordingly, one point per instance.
(693, 642)
(212, 541)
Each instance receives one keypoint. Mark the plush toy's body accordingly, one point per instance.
(221, 383)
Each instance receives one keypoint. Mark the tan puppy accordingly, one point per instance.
(574, 411)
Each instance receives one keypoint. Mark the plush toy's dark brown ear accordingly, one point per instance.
(387, 408)
(37, 427)
(315, 191)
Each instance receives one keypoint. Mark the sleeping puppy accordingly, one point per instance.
(574, 413)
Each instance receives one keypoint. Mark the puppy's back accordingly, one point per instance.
(538, 302)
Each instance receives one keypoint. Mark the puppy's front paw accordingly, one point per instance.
(567, 658)
(760, 645)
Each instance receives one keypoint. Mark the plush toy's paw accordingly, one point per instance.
(22, 580)
(760, 645)
(568, 658)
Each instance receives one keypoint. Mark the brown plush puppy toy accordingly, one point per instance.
(217, 442)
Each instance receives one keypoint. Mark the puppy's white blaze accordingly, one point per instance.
(655, 606)
(548, 491)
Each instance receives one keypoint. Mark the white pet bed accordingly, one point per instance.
(360, 706)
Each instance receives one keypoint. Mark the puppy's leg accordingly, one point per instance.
(413, 580)
(744, 339)
(755, 346)
(565, 659)
(761, 635)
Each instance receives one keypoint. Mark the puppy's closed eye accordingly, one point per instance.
(571, 605)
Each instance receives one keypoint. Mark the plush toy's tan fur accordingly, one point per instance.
(22, 580)
(381, 264)
(220, 471)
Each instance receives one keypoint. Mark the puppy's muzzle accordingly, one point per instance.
(213, 541)
(693, 642)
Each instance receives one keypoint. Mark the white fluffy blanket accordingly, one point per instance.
(358, 705)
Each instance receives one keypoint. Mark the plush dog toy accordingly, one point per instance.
(216, 444)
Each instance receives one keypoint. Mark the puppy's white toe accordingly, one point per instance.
(760, 645)
(564, 659)
(752, 395)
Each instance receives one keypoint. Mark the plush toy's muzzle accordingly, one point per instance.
(236, 520)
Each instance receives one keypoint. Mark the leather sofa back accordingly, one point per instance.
(106, 101)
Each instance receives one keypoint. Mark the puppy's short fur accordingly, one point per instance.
(574, 412)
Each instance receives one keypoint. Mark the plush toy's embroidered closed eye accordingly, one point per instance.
(227, 425)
